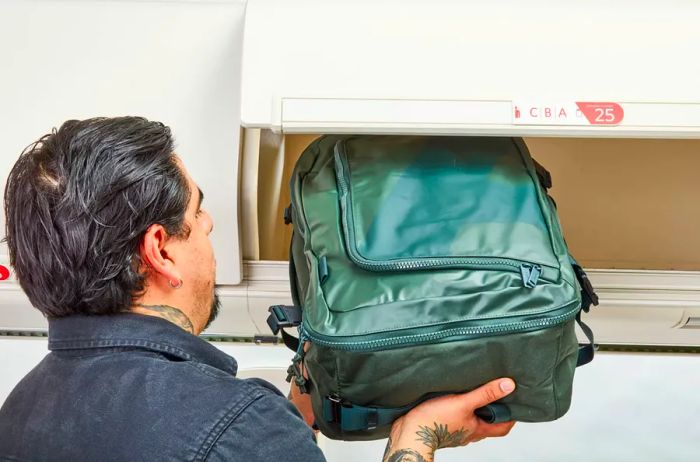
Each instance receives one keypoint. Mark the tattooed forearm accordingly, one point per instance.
(172, 314)
(440, 437)
(392, 454)
(387, 449)
(405, 455)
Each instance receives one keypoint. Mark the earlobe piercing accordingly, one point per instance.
(175, 286)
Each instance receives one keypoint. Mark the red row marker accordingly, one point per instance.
(602, 113)
(4, 273)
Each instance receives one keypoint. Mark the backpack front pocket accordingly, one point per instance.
(430, 206)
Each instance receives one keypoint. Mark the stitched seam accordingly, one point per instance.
(482, 316)
(472, 318)
(337, 376)
(554, 369)
(143, 343)
(57, 355)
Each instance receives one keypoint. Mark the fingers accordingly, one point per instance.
(488, 393)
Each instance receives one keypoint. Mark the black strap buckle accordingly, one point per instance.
(372, 419)
(587, 290)
(283, 316)
(288, 215)
(332, 405)
(543, 175)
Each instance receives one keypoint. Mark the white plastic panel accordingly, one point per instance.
(445, 66)
(637, 308)
(618, 404)
(243, 313)
(173, 61)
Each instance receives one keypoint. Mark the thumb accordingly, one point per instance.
(488, 393)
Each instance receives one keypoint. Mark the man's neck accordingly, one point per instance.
(167, 312)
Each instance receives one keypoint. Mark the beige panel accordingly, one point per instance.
(627, 203)
(276, 245)
(248, 206)
(270, 180)
(623, 203)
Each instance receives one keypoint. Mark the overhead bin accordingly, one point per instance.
(497, 67)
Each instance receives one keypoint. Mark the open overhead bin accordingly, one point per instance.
(497, 67)
(540, 68)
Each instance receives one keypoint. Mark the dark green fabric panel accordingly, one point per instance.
(541, 362)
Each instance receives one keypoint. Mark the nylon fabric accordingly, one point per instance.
(480, 202)
(351, 287)
(430, 265)
(541, 362)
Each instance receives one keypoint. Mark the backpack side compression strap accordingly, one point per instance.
(585, 352)
(357, 418)
(360, 418)
(588, 298)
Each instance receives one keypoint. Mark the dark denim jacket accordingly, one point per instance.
(138, 388)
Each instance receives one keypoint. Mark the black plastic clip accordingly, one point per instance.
(283, 316)
(589, 295)
(543, 175)
(332, 406)
(288, 215)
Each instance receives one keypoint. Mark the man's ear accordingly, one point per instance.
(154, 254)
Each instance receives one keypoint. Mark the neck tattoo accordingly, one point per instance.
(171, 314)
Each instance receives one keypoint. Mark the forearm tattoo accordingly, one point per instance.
(434, 438)
(171, 314)
(402, 455)
(439, 437)
(405, 455)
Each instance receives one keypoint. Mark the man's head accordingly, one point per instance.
(102, 216)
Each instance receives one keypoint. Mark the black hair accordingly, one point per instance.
(77, 204)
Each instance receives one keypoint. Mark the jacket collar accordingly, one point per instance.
(135, 330)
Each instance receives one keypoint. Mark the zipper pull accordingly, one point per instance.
(530, 274)
(295, 370)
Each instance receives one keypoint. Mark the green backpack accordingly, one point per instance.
(422, 266)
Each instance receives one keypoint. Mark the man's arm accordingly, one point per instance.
(302, 401)
(445, 422)
(270, 429)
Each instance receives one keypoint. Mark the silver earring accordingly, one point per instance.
(175, 286)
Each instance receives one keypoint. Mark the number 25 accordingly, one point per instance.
(604, 115)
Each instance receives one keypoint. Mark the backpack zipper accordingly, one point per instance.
(431, 337)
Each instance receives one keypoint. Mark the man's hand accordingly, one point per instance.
(446, 422)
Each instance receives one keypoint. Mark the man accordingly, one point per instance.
(108, 238)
